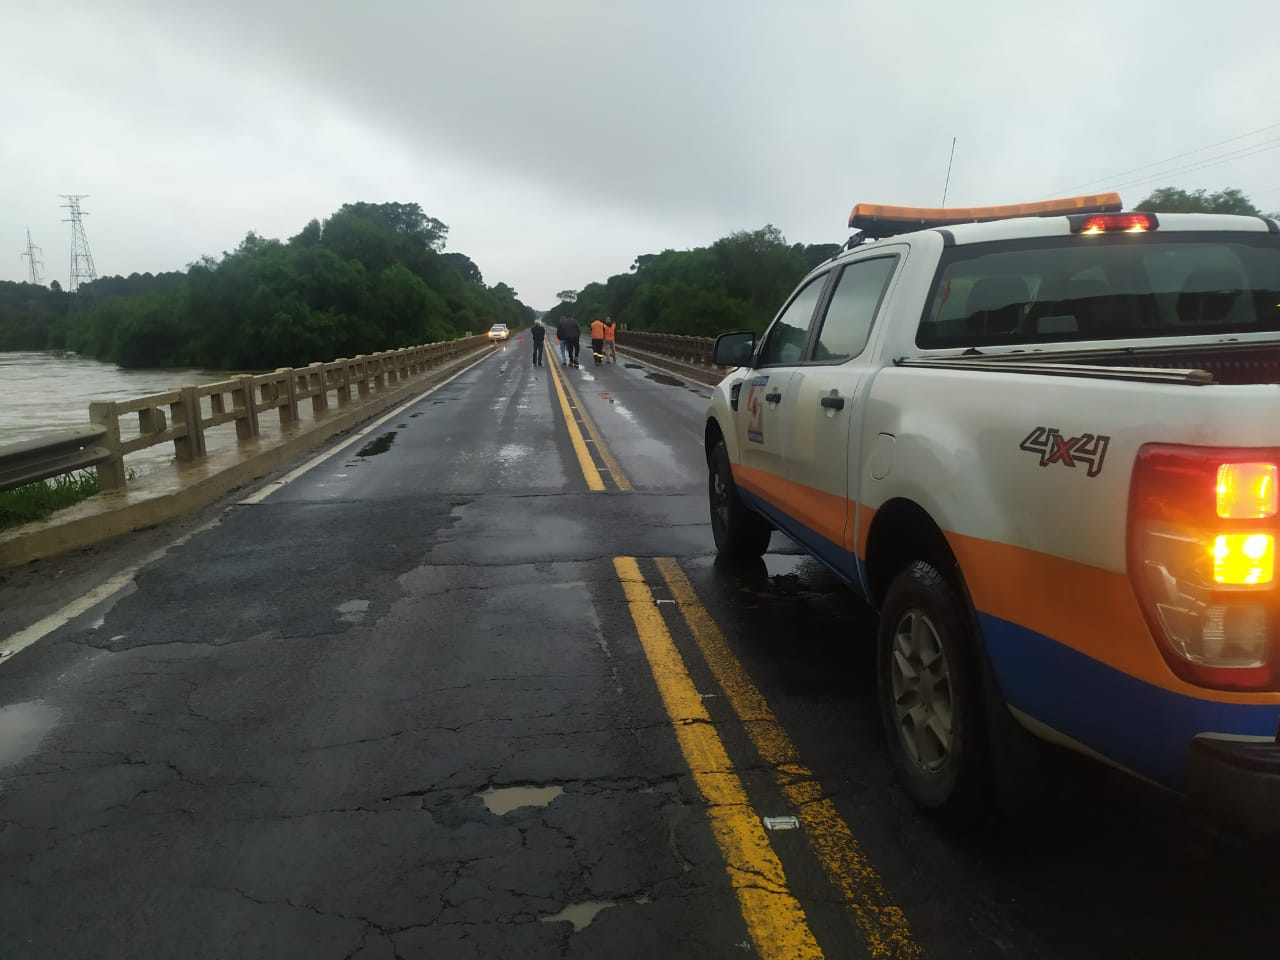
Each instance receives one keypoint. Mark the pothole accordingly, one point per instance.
(633, 366)
(670, 381)
(579, 914)
(22, 727)
(378, 445)
(502, 800)
(353, 611)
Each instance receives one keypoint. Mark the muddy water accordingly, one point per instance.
(40, 392)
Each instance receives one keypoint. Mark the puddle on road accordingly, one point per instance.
(514, 451)
(502, 800)
(353, 611)
(669, 380)
(379, 445)
(633, 366)
(22, 727)
(579, 914)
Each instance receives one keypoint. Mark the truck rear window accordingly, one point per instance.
(1063, 289)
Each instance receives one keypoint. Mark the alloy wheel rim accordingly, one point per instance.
(923, 701)
(720, 496)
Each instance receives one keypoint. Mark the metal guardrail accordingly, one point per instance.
(183, 415)
(52, 455)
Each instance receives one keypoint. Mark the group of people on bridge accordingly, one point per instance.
(604, 335)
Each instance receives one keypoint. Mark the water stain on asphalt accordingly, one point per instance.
(22, 727)
(667, 379)
(380, 444)
(502, 800)
(633, 366)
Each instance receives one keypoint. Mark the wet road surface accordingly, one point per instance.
(438, 697)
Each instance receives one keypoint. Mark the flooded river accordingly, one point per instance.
(40, 392)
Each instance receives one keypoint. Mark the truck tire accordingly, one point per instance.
(740, 534)
(931, 697)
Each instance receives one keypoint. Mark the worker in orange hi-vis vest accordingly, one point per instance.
(610, 340)
(597, 340)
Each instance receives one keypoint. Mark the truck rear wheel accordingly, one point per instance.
(740, 534)
(931, 695)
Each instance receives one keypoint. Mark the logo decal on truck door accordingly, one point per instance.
(755, 409)
(1052, 447)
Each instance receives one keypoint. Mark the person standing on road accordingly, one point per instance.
(610, 340)
(538, 333)
(572, 335)
(562, 338)
(597, 341)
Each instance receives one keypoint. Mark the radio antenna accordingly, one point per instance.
(947, 185)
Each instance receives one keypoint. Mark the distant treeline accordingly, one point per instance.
(371, 277)
(737, 283)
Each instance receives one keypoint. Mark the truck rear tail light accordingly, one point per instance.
(1243, 558)
(1202, 543)
(1247, 491)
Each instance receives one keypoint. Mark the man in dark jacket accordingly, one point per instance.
(571, 335)
(538, 333)
(563, 340)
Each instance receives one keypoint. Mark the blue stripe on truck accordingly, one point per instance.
(1140, 726)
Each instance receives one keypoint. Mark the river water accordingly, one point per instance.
(40, 392)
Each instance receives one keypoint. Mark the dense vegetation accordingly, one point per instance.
(371, 277)
(1173, 200)
(736, 283)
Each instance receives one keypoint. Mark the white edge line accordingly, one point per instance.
(17, 642)
(260, 495)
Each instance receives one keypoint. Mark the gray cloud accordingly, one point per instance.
(559, 139)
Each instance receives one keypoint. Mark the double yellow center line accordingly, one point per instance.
(775, 919)
(578, 420)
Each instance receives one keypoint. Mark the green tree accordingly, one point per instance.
(1173, 200)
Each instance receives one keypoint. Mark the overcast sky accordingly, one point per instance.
(558, 139)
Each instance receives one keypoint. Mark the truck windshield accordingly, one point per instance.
(1124, 287)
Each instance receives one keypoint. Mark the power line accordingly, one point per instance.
(1264, 147)
(1157, 163)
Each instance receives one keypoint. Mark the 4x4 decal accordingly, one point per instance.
(1053, 447)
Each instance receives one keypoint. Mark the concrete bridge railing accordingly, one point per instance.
(184, 415)
(692, 350)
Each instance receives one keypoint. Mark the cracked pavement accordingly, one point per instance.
(275, 742)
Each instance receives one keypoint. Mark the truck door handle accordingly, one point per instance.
(774, 397)
(833, 402)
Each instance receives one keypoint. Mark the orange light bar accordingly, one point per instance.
(1247, 491)
(873, 217)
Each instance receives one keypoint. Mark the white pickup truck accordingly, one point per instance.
(1044, 442)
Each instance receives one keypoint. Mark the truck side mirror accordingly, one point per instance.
(734, 349)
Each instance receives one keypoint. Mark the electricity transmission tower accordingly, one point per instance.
(34, 263)
(82, 270)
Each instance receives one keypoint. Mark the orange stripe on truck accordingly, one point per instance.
(1083, 607)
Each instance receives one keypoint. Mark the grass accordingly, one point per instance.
(36, 501)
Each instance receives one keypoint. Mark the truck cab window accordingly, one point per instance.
(785, 340)
(847, 324)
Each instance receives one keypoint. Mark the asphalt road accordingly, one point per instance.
(436, 697)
